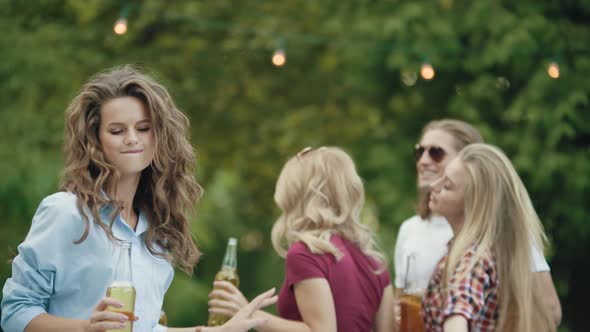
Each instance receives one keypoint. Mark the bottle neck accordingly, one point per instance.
(410, 278)
(230, 260)
(123, 268)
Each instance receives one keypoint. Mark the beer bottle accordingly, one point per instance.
(227, 273)
(122, 288)
(411, 299)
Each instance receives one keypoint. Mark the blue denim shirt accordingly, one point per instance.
(53, 275)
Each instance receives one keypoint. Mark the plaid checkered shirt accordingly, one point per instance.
(471, 294)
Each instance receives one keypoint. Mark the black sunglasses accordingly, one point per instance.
(436, 153)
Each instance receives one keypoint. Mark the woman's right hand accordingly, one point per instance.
(102, 319)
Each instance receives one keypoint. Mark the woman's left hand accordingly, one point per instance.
(226, 299)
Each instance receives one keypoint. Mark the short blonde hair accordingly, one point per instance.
(320, 193)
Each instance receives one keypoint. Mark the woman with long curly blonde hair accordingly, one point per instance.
(336, 278)
(485, 282)
(129, 176)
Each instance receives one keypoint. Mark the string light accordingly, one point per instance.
(427, 71)
(409, 77)
(553, 70)
(120, 26)
(279, 57)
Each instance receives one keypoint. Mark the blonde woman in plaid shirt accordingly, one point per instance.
(485, 282)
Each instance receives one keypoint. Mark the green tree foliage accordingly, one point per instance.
(343, 84)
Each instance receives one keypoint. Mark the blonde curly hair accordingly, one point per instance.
(320, 193)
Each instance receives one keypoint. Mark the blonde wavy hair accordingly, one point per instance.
(463, 134)
(167, 189)
(320, 193)
(500, 218)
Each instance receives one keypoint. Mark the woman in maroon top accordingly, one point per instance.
(336, 279)
(485, 282)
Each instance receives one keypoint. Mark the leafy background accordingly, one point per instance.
(351, 79)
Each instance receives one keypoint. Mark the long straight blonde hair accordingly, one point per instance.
(320, 193)
(500, 218)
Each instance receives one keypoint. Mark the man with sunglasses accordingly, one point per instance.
(424, 237)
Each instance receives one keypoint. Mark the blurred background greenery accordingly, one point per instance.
(352, 78)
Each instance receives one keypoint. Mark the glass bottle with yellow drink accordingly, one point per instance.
(411, 300)
(229, 273)
(122, 287)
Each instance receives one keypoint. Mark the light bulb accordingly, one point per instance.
(553, 70)
(279, 58)
(427, 71)
(120, 26)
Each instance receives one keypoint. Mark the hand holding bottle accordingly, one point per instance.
(228, 273)
(226, 299)
(122, 288)
(102, 319)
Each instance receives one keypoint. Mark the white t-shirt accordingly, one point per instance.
(427, 241)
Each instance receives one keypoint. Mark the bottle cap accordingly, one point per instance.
(232, 241)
